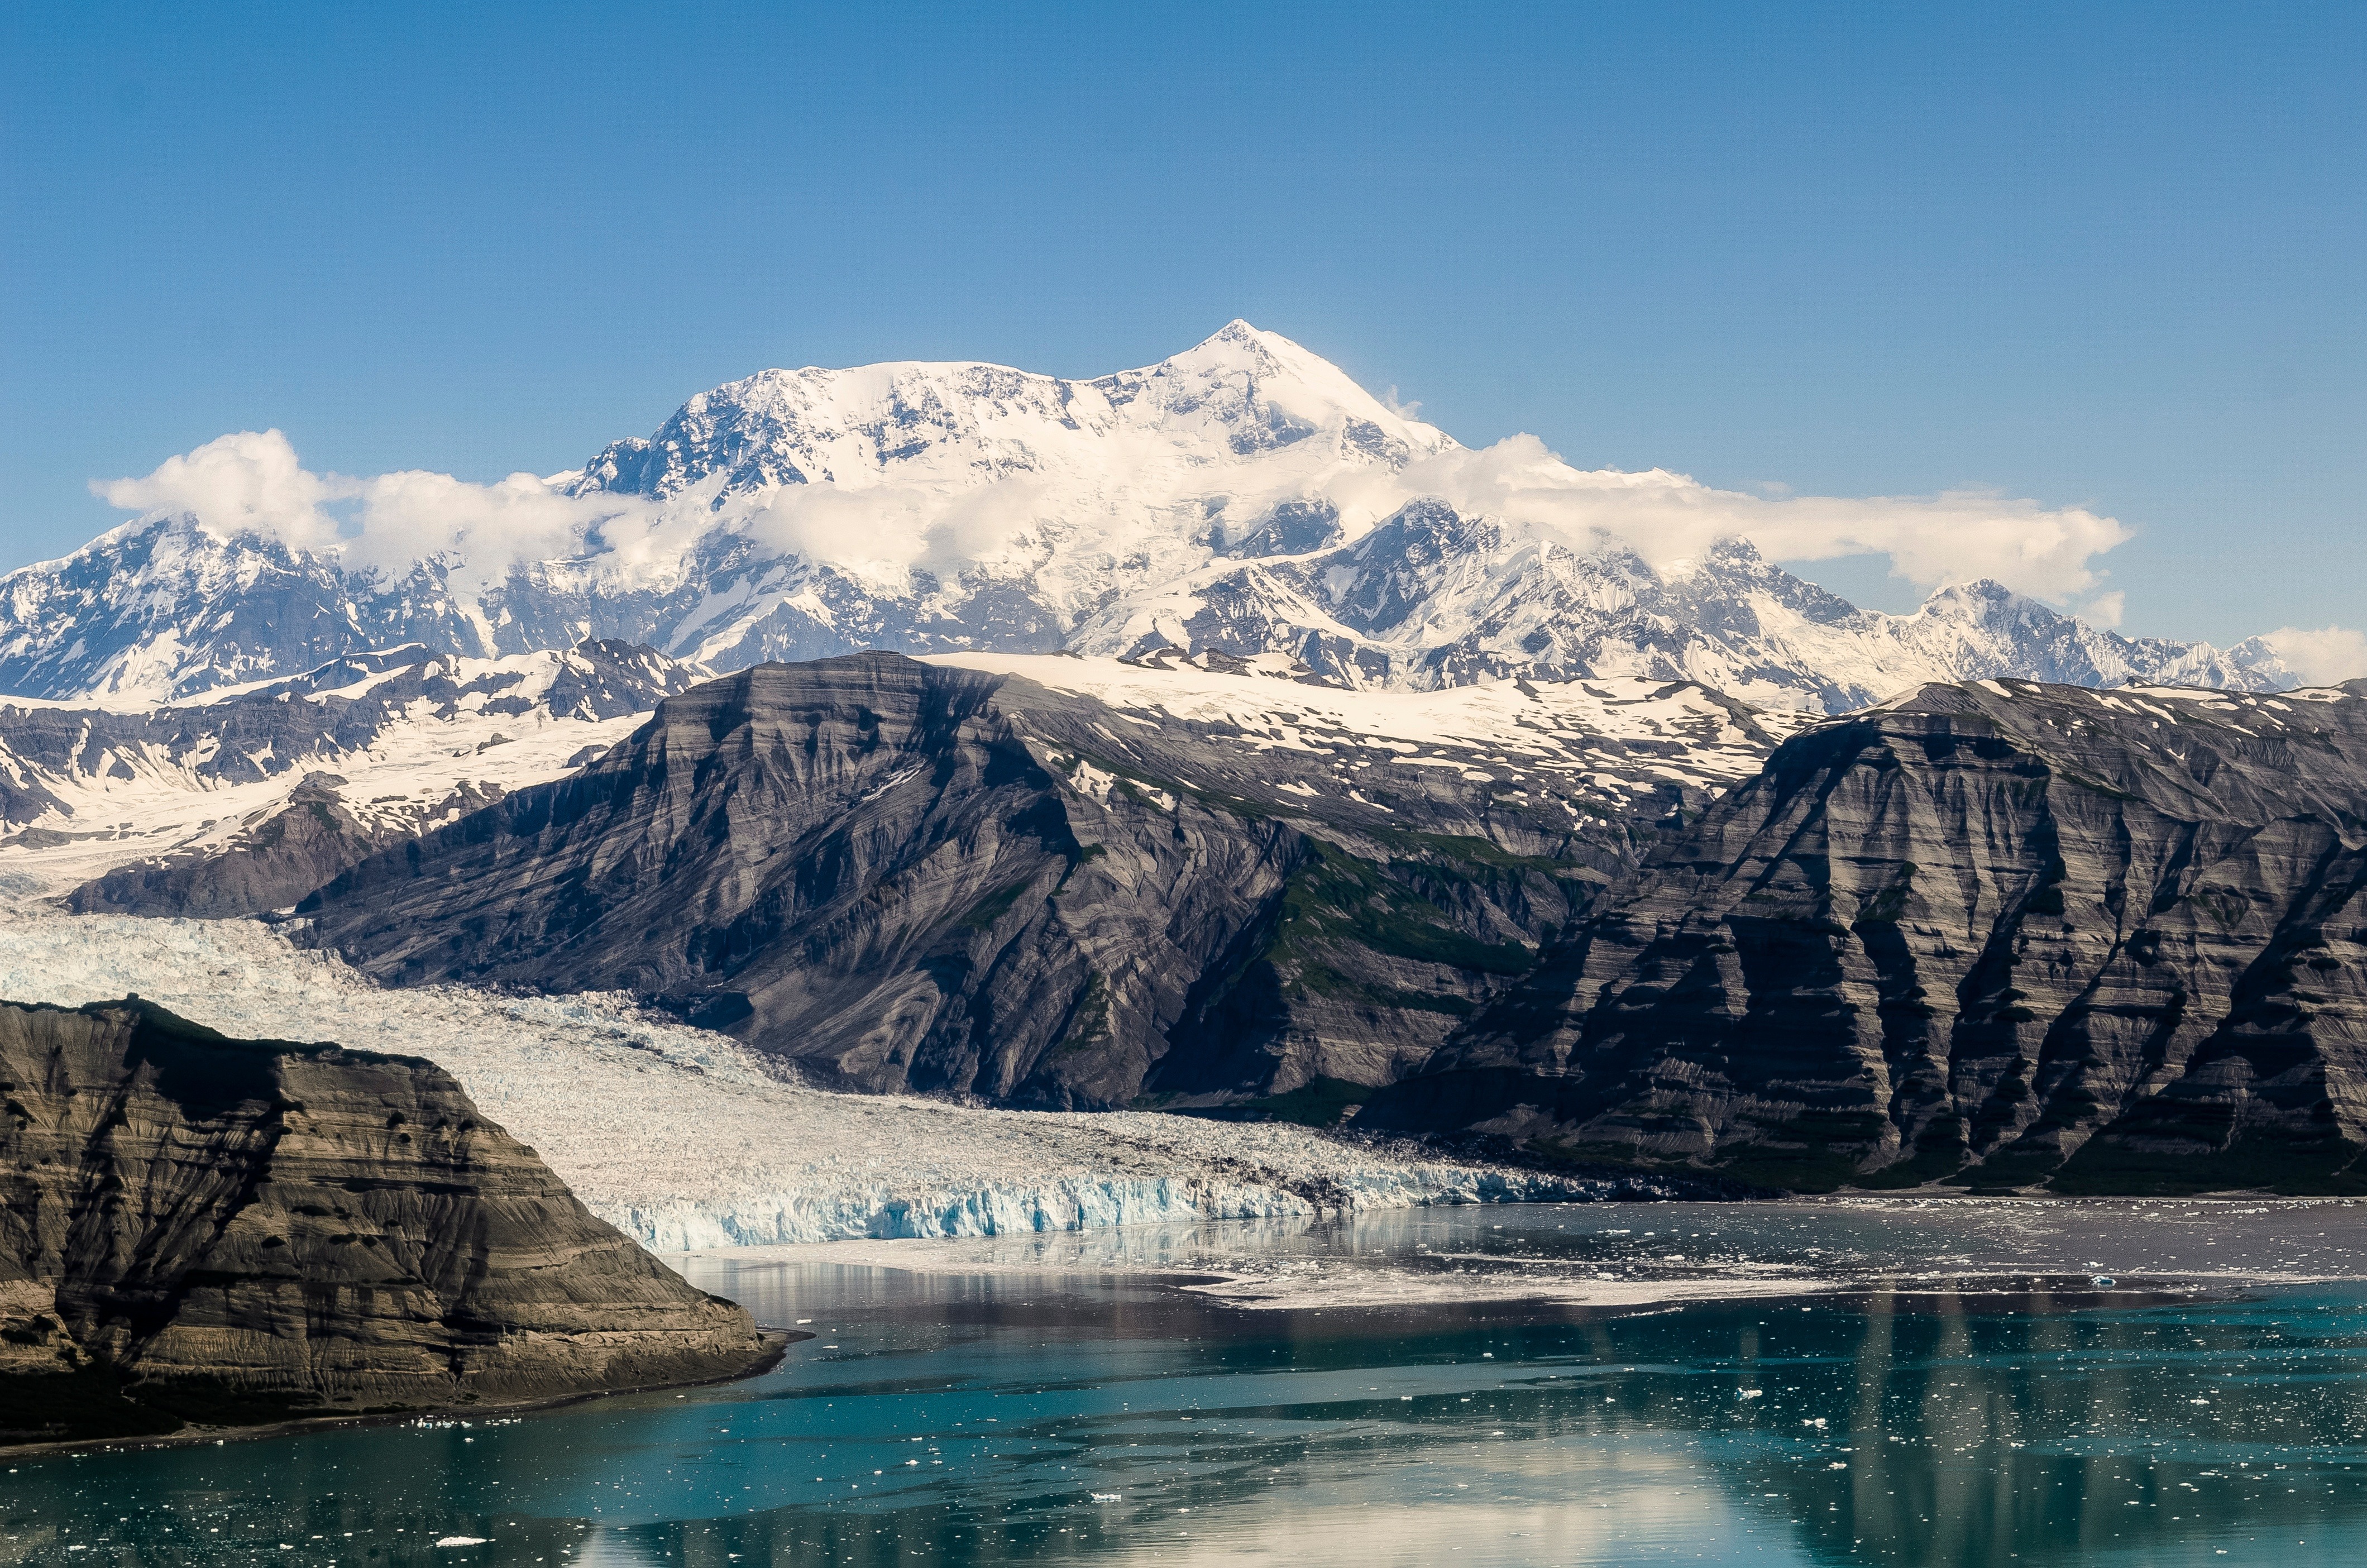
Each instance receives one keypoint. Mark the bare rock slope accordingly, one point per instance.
(198, 1227)
(1083, 887)
(1996, 934)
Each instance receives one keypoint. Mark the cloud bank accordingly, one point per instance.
(1667, 517)
(254, 480)
(2322, 657)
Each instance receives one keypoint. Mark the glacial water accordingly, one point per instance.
(1912, 1383)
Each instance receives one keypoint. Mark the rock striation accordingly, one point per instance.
(1997, 935)
(1090, 885)
(193, 1228)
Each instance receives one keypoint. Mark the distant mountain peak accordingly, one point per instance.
(1243, 496)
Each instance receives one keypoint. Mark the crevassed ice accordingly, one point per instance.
(684, 1139)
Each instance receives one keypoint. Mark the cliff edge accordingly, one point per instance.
(200, 1229)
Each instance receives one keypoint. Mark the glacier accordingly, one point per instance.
(684, 1140)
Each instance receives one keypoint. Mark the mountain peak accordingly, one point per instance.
(1234, 495)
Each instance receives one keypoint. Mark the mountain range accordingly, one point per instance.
(1244, 497)
(1992, 934)
(1059, 881)
(244, 799)
(1996, 934)
(1194, 738)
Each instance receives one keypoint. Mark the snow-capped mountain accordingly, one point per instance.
(1433, 598)
(248, 797)
(1245, 496)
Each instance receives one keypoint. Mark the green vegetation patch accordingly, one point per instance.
(1939, 1152)
(1089, 1025)
(1337, 899)
(992, 907)
(1321, 980)
(87, 1403)
(2328, 1167)
(1883, 907)
(1320, 1102)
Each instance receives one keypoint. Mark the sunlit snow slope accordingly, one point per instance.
(1243, 496)
(1620, 738)
(288, 778)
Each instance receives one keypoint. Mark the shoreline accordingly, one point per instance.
(2066, 1252)
(776, 1348)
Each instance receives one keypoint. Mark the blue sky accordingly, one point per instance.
(2102, 256)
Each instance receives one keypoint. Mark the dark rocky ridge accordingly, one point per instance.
(1996, 935)
(346, 707)
(230, 1230)
(905, 876)
(308, 839)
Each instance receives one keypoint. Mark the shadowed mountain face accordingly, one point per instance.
(1996, 934)
(231, 1230)
(907, 875)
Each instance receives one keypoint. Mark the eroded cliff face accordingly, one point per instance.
(1996, 934)
(912, 876)
(230, 1230)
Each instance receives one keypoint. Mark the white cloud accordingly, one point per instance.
(234, 483)
(882, 531)
(403, 517)
(253, 480)
(2105, 609)
(1666, 517)
(2321, 657)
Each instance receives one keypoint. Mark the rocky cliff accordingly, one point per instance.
(202, 1229)
(1200, 882)
(1997, 935)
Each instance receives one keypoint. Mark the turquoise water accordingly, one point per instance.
(1030, 1413)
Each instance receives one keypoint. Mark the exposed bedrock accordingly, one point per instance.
(285, 855)
(907, 876)
(234, 1230)
(1996, 934)
(349, 708)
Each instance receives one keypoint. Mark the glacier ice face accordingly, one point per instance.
(683, 1139)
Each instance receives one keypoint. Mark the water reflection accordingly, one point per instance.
(1087, 1417)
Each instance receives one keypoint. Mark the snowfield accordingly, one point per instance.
(684, 1140)
(1245, 494)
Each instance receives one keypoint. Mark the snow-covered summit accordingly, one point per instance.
(1244, 495)
(1433, 598)
(1156, 433)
